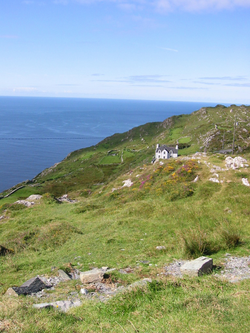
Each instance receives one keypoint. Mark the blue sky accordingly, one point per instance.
(173, 50)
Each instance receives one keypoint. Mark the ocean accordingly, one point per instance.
(36, 133)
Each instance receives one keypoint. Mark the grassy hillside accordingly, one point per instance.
(117, 226)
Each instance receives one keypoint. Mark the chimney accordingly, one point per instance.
(176, 147)
(157, 146)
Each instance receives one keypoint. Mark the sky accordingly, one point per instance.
(172, 50)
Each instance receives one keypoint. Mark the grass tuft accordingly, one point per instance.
(197, 243)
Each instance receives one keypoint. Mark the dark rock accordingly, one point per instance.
(31, 286)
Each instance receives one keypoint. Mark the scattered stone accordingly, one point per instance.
(214, 180)
(139, 284)
(11, 292)
(145, 262)
(245, 182)
(84, 291)
(60, 305)
(160, 248)
(33, 285)
(235, 163)
(65, 198)
(126, 270)
(34, 197)
(2, 217)
(197, 267)
(127, 183)
(175, 268)
(75, 274)
(29, 287)
(25, 203)
(63, 276)
(235, 269)
(196, 179)
(95, 275)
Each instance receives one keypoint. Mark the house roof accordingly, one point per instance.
(164, 147)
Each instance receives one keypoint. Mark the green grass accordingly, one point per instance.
(110, 160)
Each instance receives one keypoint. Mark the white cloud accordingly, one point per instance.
(24, 89)
(168, 49)
(199, 5)
(166, 5)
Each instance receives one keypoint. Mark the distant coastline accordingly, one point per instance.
(37, 132)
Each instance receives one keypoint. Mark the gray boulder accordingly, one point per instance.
(95, 275)
(63, 276)
(197, 267)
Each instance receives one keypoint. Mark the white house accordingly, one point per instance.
(165, 152)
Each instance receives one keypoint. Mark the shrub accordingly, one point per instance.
(49, 198)
(196, 243)
(231, 238)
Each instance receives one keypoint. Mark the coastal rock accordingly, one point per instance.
(197, 267)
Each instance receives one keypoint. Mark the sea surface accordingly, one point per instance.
(35, 132)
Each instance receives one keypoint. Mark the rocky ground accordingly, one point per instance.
(98, 285)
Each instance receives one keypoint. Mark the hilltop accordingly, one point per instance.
(129, 214)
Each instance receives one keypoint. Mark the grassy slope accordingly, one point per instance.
(123, 227)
